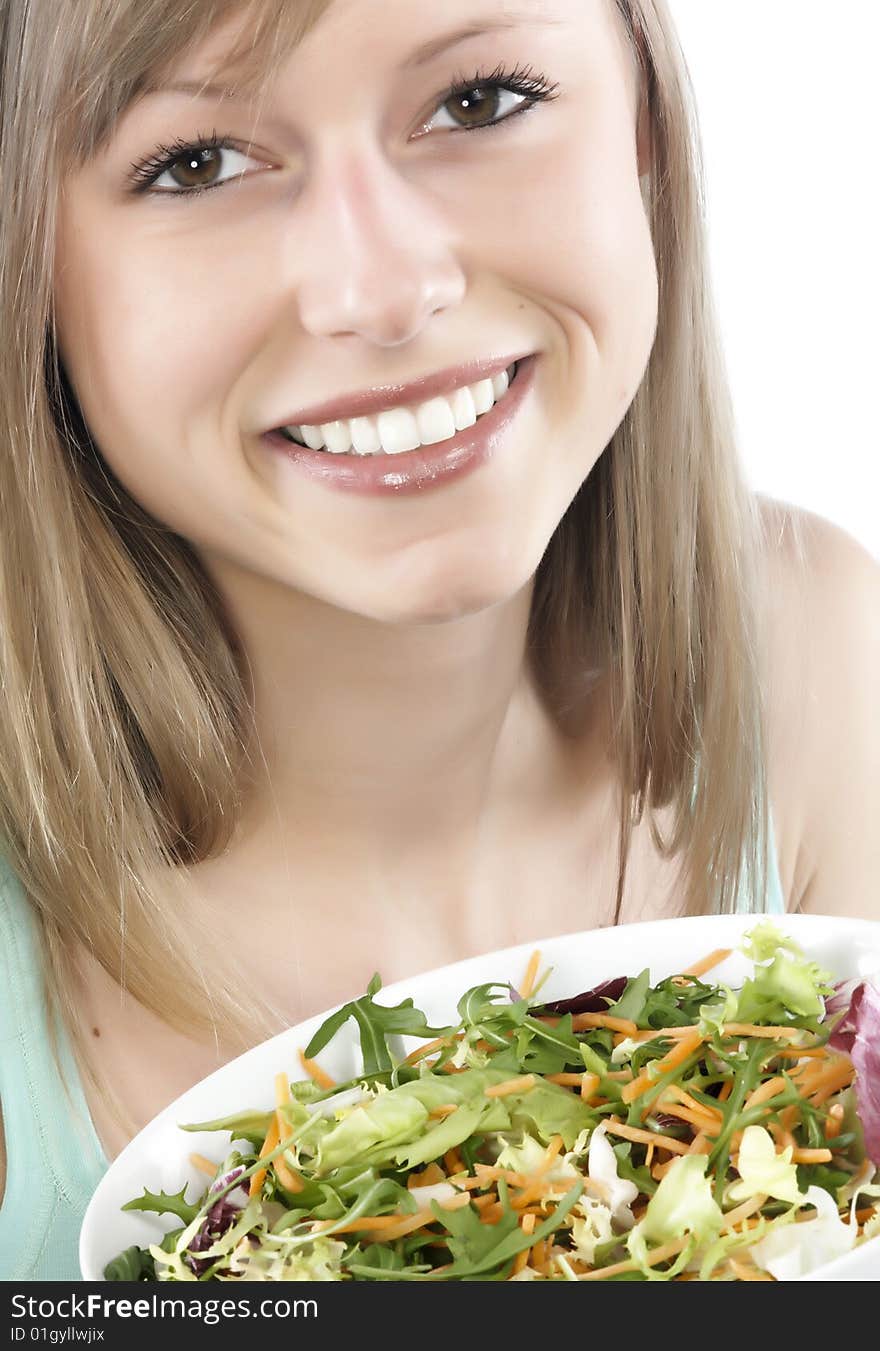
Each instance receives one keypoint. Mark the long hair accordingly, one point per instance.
(127, 702)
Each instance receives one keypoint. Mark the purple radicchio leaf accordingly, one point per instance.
(218, 1219)
(839, 1002)
(858, 1034)
(596, 1000)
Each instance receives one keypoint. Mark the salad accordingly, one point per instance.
(676, 1131)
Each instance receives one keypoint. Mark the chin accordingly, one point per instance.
(440, 603)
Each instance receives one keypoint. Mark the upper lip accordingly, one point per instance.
(382, 397)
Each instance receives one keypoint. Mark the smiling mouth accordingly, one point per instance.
(405, 428)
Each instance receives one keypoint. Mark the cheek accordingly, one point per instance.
(154, 338)
(566, 226)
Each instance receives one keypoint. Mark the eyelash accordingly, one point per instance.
(522, 81)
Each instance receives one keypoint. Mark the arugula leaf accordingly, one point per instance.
(375, 1022)
(251, 1126)
(470, 1240)
(162, 1204)
(134, 1264)
(632, 1001)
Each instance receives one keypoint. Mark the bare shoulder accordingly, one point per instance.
(821, 629)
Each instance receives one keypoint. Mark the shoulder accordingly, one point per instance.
(820, 598)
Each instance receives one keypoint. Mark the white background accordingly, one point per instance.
(786, 94)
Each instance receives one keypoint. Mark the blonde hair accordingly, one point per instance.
(128, 711)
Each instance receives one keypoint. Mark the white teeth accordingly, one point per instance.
(484, 395)
(336, 437)
(364, 436)
(398, 431)
(312, 437)
(463, 410)
(401, 429)
(435, 421)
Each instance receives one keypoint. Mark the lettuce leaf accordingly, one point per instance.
(797, 1249)
(763, 1171)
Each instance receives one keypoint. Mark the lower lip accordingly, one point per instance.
(415, 471)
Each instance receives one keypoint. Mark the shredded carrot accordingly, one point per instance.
(649, 1075)
(742, 1212)
(271, 1140)
(388, 1227)
(701, 1120)
(204, 1165)
(768, 1089)
(706, 963)
(314, 1071)
(520, 1085)
(527, 1224)
(726, 1090)
(484, 1202)
(811, 1156)
(649, 1155)
(676, 1092)
(753, 1030)
(453, 1161)
(840, 1078)
(700, 1144)
(422, 1051)
(444, 1110)
(618, 1268)
(539, 1255)
(617, 1127)
(589, 1084)
(656, 1033)
(531, 974)
(288, 1177)
(428, 1177)
(566, 1080)
(581, 1021)
(398, 1226)
(834, 1122)
(554, 1149)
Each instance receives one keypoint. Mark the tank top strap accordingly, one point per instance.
(54, 1157)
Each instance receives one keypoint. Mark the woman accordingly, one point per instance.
(296, 691)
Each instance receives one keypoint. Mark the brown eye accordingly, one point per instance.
(181, 169)
(196, 168)
(477, 105)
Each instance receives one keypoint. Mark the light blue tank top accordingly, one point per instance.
(54, 1157)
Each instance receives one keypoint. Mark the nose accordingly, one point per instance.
(374, 260)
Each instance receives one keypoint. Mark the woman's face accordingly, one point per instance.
(366, 229)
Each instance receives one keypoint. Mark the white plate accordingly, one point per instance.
(158, 1157)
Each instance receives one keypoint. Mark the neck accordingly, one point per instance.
(370, 734)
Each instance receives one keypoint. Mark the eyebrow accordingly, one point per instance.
(420, 57)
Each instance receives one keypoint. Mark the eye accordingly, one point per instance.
(202, 168)
(485, 100)
(190, 167)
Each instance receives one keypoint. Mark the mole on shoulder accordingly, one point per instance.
(96, 1032)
